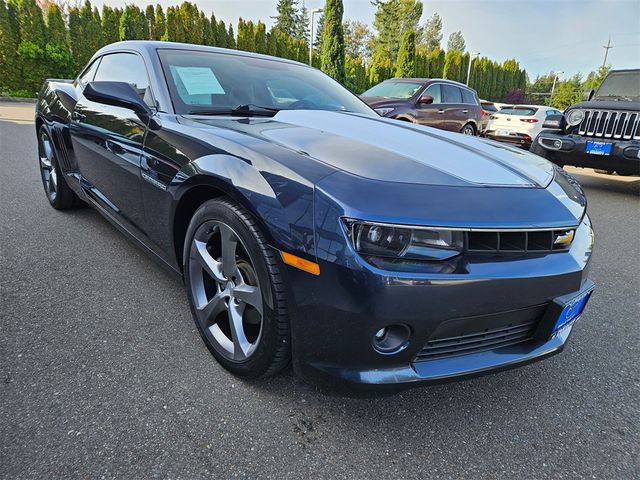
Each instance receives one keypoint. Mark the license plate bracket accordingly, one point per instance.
(564, 311)
(598, 148)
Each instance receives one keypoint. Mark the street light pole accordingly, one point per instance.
(313, 12)
(471, 55)
(555, 79)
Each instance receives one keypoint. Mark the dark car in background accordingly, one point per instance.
(308, 228)
(602, 132)
(435, 102)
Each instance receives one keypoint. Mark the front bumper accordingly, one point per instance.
(624, 157)
(337, 314)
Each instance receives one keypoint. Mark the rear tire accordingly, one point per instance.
(60, 196)
(236, 290)
(468, 129)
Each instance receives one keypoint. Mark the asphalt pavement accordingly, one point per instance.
(103, 374)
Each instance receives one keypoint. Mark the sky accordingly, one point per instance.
(543, 35)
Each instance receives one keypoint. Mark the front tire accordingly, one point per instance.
(236, 290)
(60, 196)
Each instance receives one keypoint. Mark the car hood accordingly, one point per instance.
(392, 151)
(375, 102)
(608, 104)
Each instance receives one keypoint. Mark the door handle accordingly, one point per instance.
(465, 111)
(441, 111)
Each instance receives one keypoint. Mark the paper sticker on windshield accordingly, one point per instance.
(199, 81)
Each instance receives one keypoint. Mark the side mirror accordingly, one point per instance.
(117, 94)
(426, 99)
(588, 95)
(553, 122)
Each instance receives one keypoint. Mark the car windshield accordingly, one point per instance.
(396, 90)
(489, 107)
(621, 85)
(523, 112)
(220, 83)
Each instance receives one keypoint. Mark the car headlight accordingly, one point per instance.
(404, 242)
(574, 117)
(383, 111)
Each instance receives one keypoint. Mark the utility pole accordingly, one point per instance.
(553, 87)
(606, 47)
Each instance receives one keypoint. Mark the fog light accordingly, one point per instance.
(392, 339)
(557, 144)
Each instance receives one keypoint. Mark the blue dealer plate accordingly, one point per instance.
(572, 311)
(598, 148)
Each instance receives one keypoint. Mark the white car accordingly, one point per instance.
(518, 124)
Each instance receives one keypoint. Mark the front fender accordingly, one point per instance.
(281, 202)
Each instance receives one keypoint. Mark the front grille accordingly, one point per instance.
(613, 124)
(534, 241)
(464, 336)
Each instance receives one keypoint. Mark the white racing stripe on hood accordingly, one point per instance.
(467, 158)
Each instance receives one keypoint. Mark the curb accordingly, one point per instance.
(18, 100)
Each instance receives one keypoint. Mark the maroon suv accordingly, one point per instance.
(434, 102)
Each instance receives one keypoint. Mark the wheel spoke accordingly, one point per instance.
(208, 263)
(229, 243)
(45, 163)
(53, 179)
(241, 345)
(250, 295)
(210, 310)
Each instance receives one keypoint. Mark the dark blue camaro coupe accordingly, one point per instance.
(367, 251)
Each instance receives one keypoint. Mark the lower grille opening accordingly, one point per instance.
(464, 336)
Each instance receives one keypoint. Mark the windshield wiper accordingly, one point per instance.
(246, 109)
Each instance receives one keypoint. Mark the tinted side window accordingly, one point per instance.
(433, 91)
(451, 94)
(467, 96)
(126, 67)
(88, 74)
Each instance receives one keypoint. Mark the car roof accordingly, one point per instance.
(150, 46)
(425, 80)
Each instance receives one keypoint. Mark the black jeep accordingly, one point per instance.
(603, 132)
